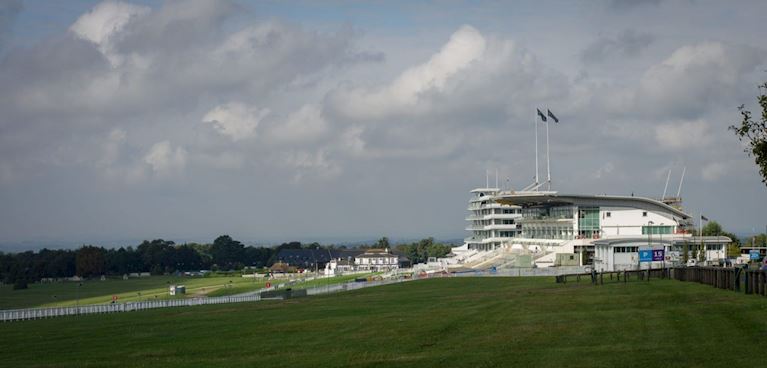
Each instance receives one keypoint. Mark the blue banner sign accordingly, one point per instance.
(645, 255)
(657, 254)
(754, 254)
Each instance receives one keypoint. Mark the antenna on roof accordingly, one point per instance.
(496, 177)
(679, 191)
(666, 187)
(487, 179)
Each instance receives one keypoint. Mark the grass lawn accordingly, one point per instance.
(456, 322)
(150, 288)
(299, 284)
(97, 291)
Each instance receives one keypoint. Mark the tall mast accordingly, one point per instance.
(666, 187)
(536, 148)
(548, 168)
(679, 191)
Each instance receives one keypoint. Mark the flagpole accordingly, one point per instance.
(536, 148)
(548, 168)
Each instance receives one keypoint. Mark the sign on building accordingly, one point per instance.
(754, 254)
(651, 255)
(657, 254)
(645, 255)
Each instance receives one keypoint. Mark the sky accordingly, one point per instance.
(273, 121)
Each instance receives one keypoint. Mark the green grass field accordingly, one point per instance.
(149, 288)
(457, 322)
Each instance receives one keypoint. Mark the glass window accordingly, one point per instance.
(654, 230)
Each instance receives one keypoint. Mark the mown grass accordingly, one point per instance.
(459, 322)
(148, 288)
(97, 291)
(296, 284)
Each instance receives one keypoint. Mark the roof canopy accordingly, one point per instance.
(548, 199)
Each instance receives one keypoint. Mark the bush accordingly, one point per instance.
(20, 284)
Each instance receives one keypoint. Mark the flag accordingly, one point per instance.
(543, 117)
(704, 218)
(551, 115)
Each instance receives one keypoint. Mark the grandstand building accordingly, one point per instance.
(607, 232)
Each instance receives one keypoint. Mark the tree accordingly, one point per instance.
(420, 251)
(90, 261)
(759, 240)
(382, 243)
(754, 132)
(712, 228)
(227, 253)
(20, 284)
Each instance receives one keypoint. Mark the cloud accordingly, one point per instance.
(104, 22)
(714, 171)
(404, 94)
(164, 159)
(245, 101)
(682, 135)
(625, 5)
(306, 163)
(305, 124)
(9, 10)
(628, 43)
(111, 147)
(696, 76)
(235, 120)
(604, 170)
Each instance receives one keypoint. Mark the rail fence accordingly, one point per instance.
(731, 278)
(40, 313)
(524, 272)
(599, 278)
(735, 279)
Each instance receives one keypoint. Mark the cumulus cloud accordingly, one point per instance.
(235, 120)
(111, 147)
(130, 93)
(305, 124)
(306, 163)
(465, 46)
(696, 76)
(164, 159)
(104, 22)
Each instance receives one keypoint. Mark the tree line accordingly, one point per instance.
(163, 256)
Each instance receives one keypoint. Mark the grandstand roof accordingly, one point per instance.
(545, 199)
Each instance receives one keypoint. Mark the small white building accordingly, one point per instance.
(339, 267)
(620, 254)
(377, 260)
(177, 289)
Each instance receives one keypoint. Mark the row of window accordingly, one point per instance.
(608, 214)
(655, 230)
(626, 249)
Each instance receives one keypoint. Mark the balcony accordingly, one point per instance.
(475, 227)
(473, 239)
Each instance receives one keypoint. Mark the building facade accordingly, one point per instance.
(491, 224)
(547, 224)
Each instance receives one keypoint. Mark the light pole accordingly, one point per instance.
(79, 283)
(649, 242)
(660, 236)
